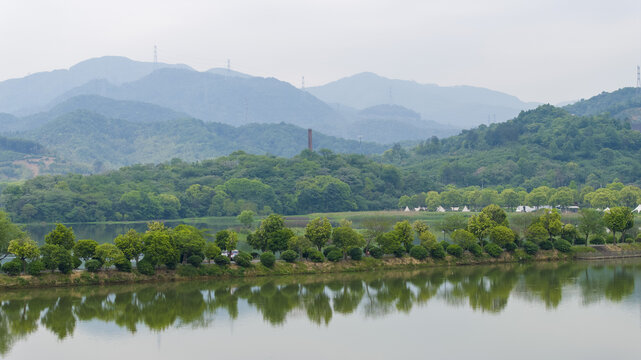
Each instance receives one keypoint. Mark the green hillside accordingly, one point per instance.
(88, 138)
(623, 104)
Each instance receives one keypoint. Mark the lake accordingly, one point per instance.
(583, 310)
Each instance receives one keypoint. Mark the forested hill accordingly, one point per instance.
(544, 146)
(88, 138)
(311, 181)
(624, 104)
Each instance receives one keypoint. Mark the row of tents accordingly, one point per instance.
(519, 209)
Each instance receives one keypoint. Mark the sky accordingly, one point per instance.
(546, 50)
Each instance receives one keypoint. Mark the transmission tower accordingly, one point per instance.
(155, 56)
(638, 76)
(302, 83)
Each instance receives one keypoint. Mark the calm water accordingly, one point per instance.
(541, 311)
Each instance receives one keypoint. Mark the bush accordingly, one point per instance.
(510, 246)
(254, 254)
(454, 250)
(35, 267)
(398, 250)
(171, 264)
(243, 259)
(76, 262)
(188, 271)
(196, 260)
(493, 250)
(579, 241)
(290, 256)
(562, 245)
(145, 267)
(66, 265)
(597, 240)
(328, 249)
(376, 252)
(418, 252)
(316, 256)
(437, 252)
(355, 253)
(530, 248)
(123, 265)
(546, 245)
(221, 260)
(267, 259)
(305, 252)
(13, 267)
(476, 250)
(638, 239)
(335, 255)
(93, 265)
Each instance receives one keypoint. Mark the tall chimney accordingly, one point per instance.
(309, 140)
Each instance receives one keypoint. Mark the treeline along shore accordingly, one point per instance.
(163, 253)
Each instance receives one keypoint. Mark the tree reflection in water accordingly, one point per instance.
(195, 303)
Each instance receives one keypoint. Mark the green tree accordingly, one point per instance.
(8, 231)
(62, 236)
(24, 249)
(510, 198)
(56, 257)
(157, 248)
(130, 244)
(299, 244)
(404, 233)
(108, 254)
(496, 214)
(246, 218)
(188, 241)
(536, 233)
(318, 231)
(453, 222)
(211, 251)
(226, 240)
(551, 221)
(463, 238)
(268, 227)
(591, 222)
(619, 218)
(480, 225)
(85, 249)
(432, 200)
(501, 235)
(345, 238)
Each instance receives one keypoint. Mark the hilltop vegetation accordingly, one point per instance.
(623, 104)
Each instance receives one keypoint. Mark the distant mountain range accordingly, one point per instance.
(456, 106)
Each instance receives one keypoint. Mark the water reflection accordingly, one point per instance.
(161, 306)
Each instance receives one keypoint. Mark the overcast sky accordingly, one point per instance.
(543, 50)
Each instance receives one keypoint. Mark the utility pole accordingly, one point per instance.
(155, 57)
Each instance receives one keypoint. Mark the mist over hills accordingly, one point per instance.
(32, 93)
(457, 106)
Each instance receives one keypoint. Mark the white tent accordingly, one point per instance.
(407, 208)
(465, 209)
(638, 209)
(455, 208)
(417, 209)
(606, 209)
(440, 209)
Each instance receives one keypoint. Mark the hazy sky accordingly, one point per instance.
(544, 50)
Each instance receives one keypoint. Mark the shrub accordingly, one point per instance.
(579, 241)
(289, 255)
(93, 265)
(316, 256)
(65, 265)
(511, 246)
(376, 252)
(418, 252)
(123, 265)
(145, 267)
(305, 252)
(638, 239)
(76, 262)
(597, 240)
(629, 240)
(530, 248)
(562, 245)
(243, 259)
(254, 254)
(171, 264)
(355, 253)
(437, 252)
(609, 239)
(546, 245)
(13, 267)
(335, 255)
(196, 260)
(267, 259)
(188, 271)
(476, 250)
(493, 250)
(35, 267)
(398, 250)
(221, 260)
(329, 249)
(455, 250)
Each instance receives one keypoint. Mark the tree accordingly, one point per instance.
(591, 222)
(226, 240)
(452, 222)
(85, 249)
(501, 235)
(510, 198)
(480, 225)
(432, 200)
(157, 248)
(375, 227)
(551, 221)
(24, 248)
(569, 233)
(404, 234)
(62, 236)
(345, 238)
(619, 218)
(319, 231)
(536, 233)
(246, 218)
(299, 244)
(56, 257)
(130, 244)
(261, 238)
(279, 240)
(8, 231)
(496, 214)
(108, 254)
(463, 238)
(211, 251)
(187, 240)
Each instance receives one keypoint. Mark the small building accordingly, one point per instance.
(440, 209)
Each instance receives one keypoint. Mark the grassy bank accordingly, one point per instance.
(186, 272)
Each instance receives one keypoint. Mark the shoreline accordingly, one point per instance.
(280, 268)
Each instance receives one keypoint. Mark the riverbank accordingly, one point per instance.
(280, 268)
